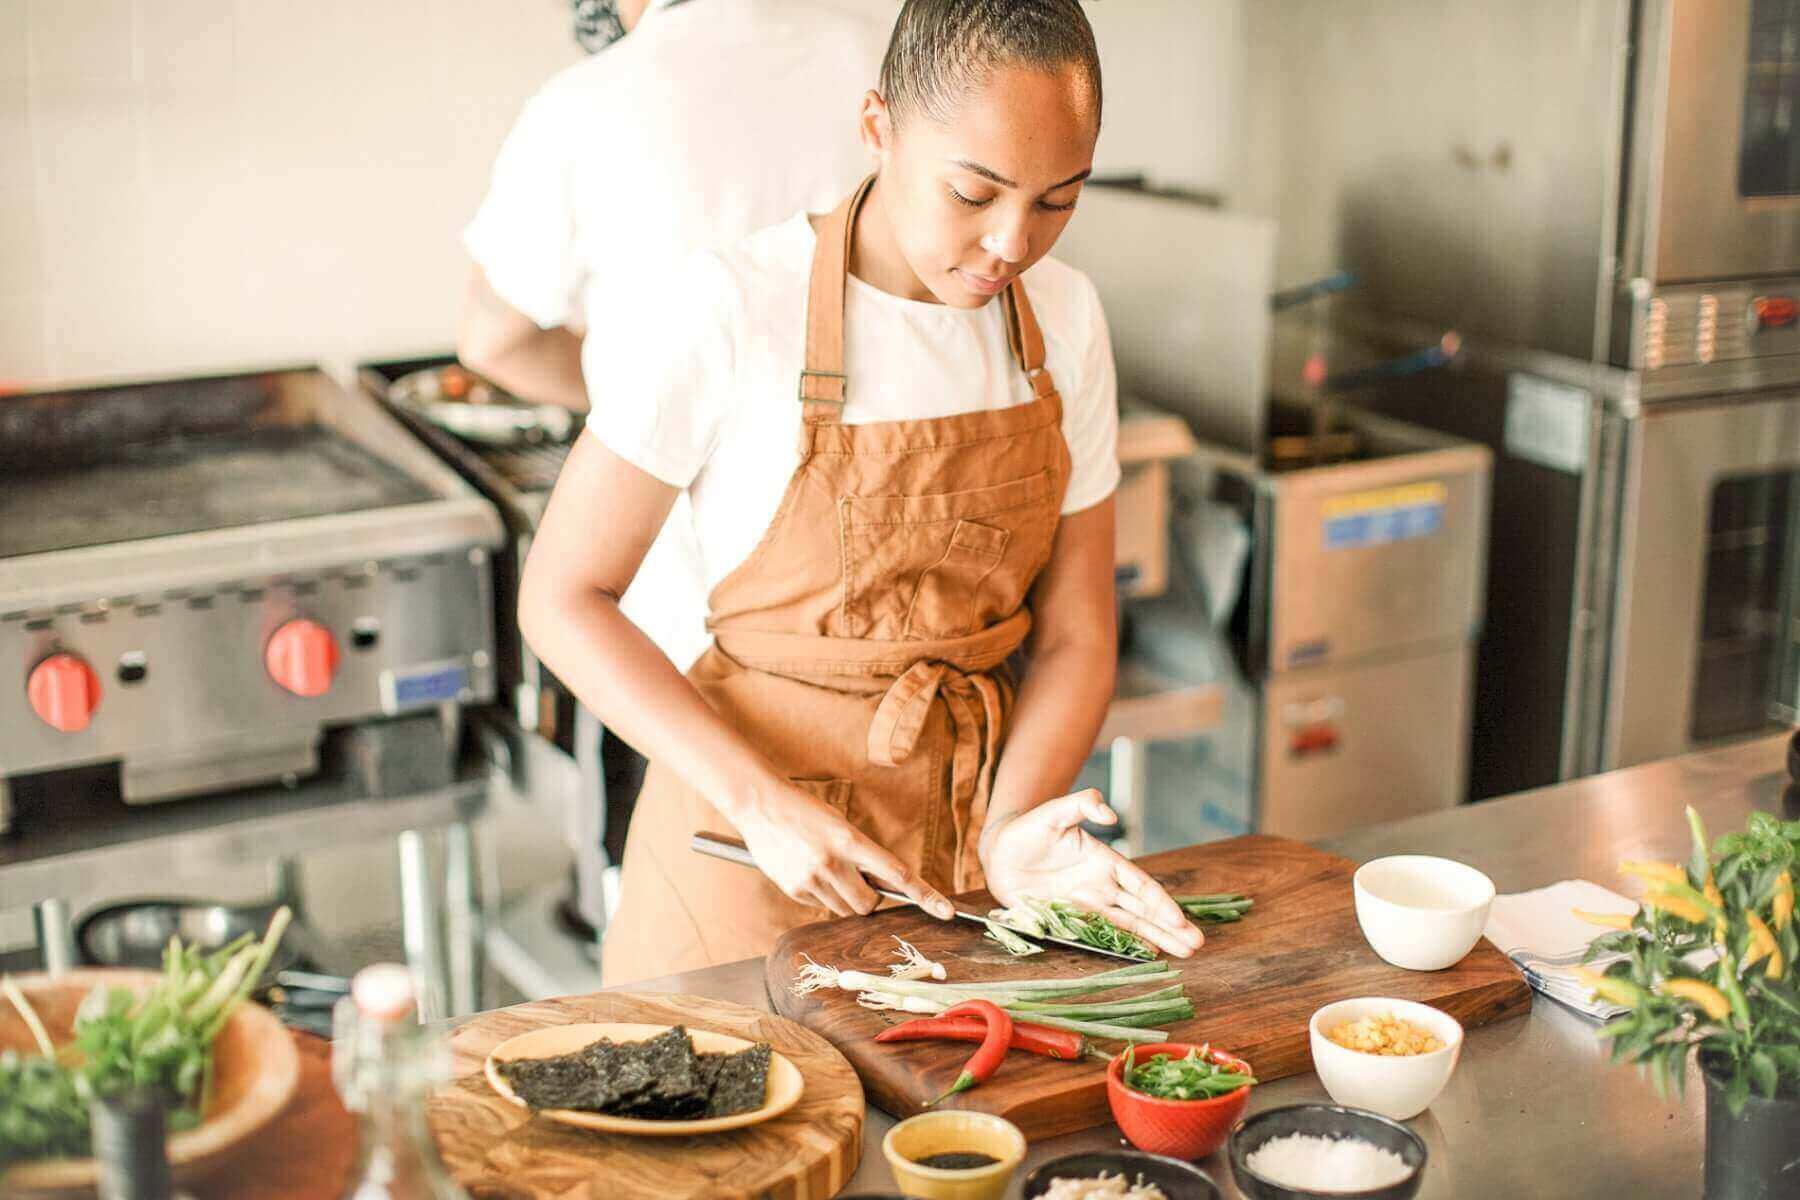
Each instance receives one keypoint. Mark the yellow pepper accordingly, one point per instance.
(1762, 942)
(1609, 920)
(1710, 999)
(1720, 928)
(1783, 908)
(1622, 992)
(1654, 872)
(1678, 906)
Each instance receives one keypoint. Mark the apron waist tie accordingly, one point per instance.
(958, 670)
(976, 715)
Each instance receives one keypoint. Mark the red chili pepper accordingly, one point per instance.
(985, 1060)
(1033, 1039)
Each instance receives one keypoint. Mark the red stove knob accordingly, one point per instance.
(302, 657)
(64, 691)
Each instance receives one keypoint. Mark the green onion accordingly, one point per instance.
(1217, 908)
(1126, 1019)
(1060, 919)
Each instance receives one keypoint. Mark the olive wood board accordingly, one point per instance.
(496, 1149)
(1255, 984)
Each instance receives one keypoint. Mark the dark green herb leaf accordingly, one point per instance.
(1763, 1073)
(1188, 1078)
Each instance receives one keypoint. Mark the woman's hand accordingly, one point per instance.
(1045, 852)
(817, 857)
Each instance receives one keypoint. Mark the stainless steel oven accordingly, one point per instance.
(1705, 543)
(1604, 196)
(1714, 191)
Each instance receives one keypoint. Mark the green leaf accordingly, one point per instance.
(1763, 1073)
(1780, 994)
(1699, 866)
(1619, 941)
(1737, 1090)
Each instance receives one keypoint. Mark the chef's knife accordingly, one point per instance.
(731, 849)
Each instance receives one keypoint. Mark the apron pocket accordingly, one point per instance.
(891, 543)
(943, 605)
(834, 793)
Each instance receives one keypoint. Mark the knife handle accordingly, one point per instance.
(717, 845)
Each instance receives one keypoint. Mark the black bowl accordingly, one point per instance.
(1178, 1180)
(1324, 1120)
(132, 933)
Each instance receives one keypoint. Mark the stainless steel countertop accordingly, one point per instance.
(1534, 1108)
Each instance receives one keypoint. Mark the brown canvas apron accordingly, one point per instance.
(862, 645)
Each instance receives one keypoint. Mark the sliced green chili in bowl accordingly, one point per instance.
(1191, 1077)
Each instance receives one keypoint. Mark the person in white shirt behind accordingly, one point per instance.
(711, 119)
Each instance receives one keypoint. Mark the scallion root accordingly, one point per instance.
(913, 964)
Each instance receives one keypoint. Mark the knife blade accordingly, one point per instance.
(730, 849)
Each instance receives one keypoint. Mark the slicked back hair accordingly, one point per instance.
(942, 50)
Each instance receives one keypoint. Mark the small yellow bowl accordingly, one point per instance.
(953, 1132)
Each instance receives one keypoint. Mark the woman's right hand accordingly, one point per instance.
(816, 857)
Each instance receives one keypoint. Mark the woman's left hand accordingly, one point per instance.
(1045, 852)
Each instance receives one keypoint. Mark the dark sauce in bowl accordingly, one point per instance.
(957, 1160)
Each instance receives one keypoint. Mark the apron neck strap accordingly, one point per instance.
(822, 381)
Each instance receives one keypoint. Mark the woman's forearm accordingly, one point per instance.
(1060, 709)
(631, 686)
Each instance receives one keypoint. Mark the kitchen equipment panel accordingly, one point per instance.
(200, 576)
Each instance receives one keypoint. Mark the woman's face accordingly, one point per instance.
(977, 200)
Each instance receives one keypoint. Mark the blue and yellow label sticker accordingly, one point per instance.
(1385, 515)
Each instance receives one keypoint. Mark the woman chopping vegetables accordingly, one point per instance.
(900, 452)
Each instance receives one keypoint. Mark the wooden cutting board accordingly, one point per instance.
(1255, 984)
(497, 1149)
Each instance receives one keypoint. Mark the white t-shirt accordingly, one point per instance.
(714, 364)
(710, 119)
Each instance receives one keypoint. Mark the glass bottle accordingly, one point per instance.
(384, 1064)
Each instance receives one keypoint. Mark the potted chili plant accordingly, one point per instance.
(1708, 967)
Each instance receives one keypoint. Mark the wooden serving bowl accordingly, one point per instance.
(256, 1068)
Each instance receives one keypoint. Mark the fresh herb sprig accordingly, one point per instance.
(1060, 919)
(1194, 1076)
(161, 1038)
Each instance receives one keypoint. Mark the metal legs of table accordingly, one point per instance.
(587, 821)
(462, 920)
(1127, 787)
(55, 935)
(448, 985)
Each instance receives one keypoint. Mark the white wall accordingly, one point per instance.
(189, 185)
(1174, 71)
(202, 183)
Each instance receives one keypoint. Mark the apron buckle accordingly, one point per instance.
(832, 388)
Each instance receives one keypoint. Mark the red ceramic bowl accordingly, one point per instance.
(1177, 1128)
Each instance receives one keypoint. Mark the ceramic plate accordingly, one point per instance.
(784, 1086)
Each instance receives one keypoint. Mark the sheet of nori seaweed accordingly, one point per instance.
(676, 1089)
(739, 1082)
(599, 1077)
(560, 1081)
(661, 1078)
(621, 1071)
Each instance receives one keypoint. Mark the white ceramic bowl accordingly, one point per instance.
(1397, 1087)
(1419, 912)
